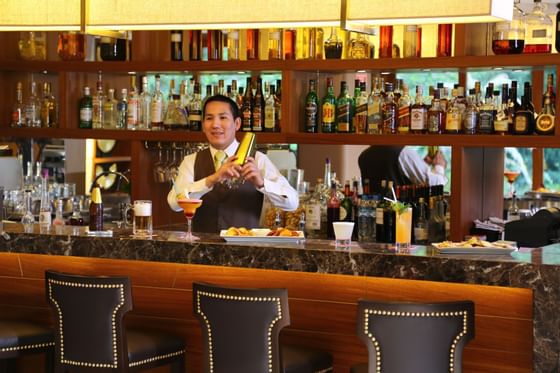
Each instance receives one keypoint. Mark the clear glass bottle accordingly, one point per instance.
(18, 110)
(359, 47)
(33, 108)
(28, 218)
(538, 38)
(275, 44)
(271, 112)
(315, 226)
(110, 110)
(233, 45)
(421, 225)
(508, 37)
(49, 107)
(122, 109)
(436, 116)
(45, 207)
(97, 102)
(145, 103)
(513, 209)
(58, 214)
(32, 45)
(156, 106)
(412, 41)
(71, 46)
(313, 43)
(333, 45)
(453, 117)
(133, 106)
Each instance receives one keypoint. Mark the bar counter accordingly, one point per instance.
(519, 293)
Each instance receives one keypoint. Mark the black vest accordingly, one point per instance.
(221, 207)
(380, 162)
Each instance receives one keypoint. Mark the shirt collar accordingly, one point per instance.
(230, 150)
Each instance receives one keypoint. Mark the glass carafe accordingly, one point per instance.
(509, 37)
(333, 46)
(28, 218)
(71, 46)
(33, 45)
(538, 38)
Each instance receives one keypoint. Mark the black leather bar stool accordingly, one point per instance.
(90, 335)
(241, 328)
(18, 338)
(414, 337)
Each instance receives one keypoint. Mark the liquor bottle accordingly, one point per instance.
(110, 110)
(252, 42)
(385, 41)
(379, 222)
(421, 225)
(145, 103)
(344, 110)
(33, 108)
(361, 110)
(538, 38)
(45, 206)
(436, 116)
(333, 210)
(502, 121)
(312, 43)
(215, 43)
(113, 49)
(311, 109)
(133, 106)
(195, 45)
(58, 218)
(289, 44)
(176, 45)
(70, 46)
(389, 111)
(98, 101)
(315, 227)
(203, 45)
(156, 106)
(513, 105)
(453, 117)
(471, 117)
(85, 109)
(279, 89)
(444, 42)
(122, 108)
(359, 47)
(258, 109)
(233, 45)
(487, 113)
(524, 118)
(545, 122)
(32, 45)
(549, 89)
(195, 110)
(508, 37)
(346, 205)
(333, 45)
(247, 108)
(275, 44)
(412, 41)
(76, 218)
(96, 210)
(328, 109)
(374, 107)
(389, 217)
(403, 119)
(271, 111)
(513, 210)
(18, 111)
(49, 107)
(28, 178)
(418, 114)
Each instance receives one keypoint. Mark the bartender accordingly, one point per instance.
(202, 175)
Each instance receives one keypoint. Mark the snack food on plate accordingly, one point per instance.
(233, 231)
(283, 232)
(471, 242)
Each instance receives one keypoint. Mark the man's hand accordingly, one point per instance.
(438, 159)
(251, 173)
(228, 170)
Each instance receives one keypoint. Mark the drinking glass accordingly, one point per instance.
(343, 233)
(403, 230)
(142, 220)
(189, 207)
(511, 176)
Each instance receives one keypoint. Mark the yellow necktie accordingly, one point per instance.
(219, 158)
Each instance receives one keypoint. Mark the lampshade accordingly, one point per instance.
(40, 15)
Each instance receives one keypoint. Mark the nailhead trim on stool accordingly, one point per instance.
(26, 347)
(156, 358)
(113, 322)
(242, 299)
(368, 312)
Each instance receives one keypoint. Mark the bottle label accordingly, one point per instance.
(470, 122)
(420, 234)
(545, 122)
(328, 113)
(156, 111)
(360, 118)
(257, 120)
(176, 37)
(501, 125)
(434, 123)
(269, 117)
(403, 120)
(310, 115)
(86, 114)
(520, 123)
(313, 216)
(379, 216)
(539, 33)
(453, 121)
(132, 112)
(418, 119)
(45, 217)
(486, 121)
(246, 119)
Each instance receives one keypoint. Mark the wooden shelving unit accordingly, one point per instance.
(477, 162)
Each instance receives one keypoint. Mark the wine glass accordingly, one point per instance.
(189, 207)
(511, 176)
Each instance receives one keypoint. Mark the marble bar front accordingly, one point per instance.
(517, 295)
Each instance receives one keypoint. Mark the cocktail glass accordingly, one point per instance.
(189, 207)
(511, 176)
(403, 229)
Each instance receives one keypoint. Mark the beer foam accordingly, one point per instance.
(143, 209)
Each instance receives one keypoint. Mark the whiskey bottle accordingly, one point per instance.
(311, 108)
(421, 224)
(418, 114)
(247, 108)
(271, 111)
(85, 110)
(502, 121)
(538, 38)
(195, 45)
(333, 46)
(49, 107)
(195, 110)
(343, 110)
(403, 119)
(18, 111)
(33, 108)
(96, 210)
(359, 47)
(275, 44)
(487, 113)
(233, 45)
(389, 111)
(436, 116)
(444, 42)
(545, 123)
(258, 109)
(385, 41)
(176, 45)
(328, 109)
(524, 118)
(374, 108)
(252, 43)
(361, 110)
(453, 117)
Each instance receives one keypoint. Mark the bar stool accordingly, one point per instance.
(241, 327)
(18, 338)
(414, 337)
(89, 331)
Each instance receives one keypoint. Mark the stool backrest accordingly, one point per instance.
(89, 314)
(240, 327)
(415, 337)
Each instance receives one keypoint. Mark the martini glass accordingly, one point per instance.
(511, 176)
(189, 207)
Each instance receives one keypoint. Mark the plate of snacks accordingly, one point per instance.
(242, 234)
(475, 245)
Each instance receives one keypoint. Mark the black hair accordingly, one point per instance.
(221, 98)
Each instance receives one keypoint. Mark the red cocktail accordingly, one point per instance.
(189, 207)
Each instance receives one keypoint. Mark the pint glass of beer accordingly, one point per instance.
(142, 221)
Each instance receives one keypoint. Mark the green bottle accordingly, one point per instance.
(344, 110)
(328, 108)
(86, 110)
(311, 109)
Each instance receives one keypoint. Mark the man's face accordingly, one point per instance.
(218, 124)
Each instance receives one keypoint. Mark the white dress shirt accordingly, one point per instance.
(418, 171)
(276, 190)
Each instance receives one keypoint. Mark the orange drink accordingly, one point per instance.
(403, 228)
(189, 207)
